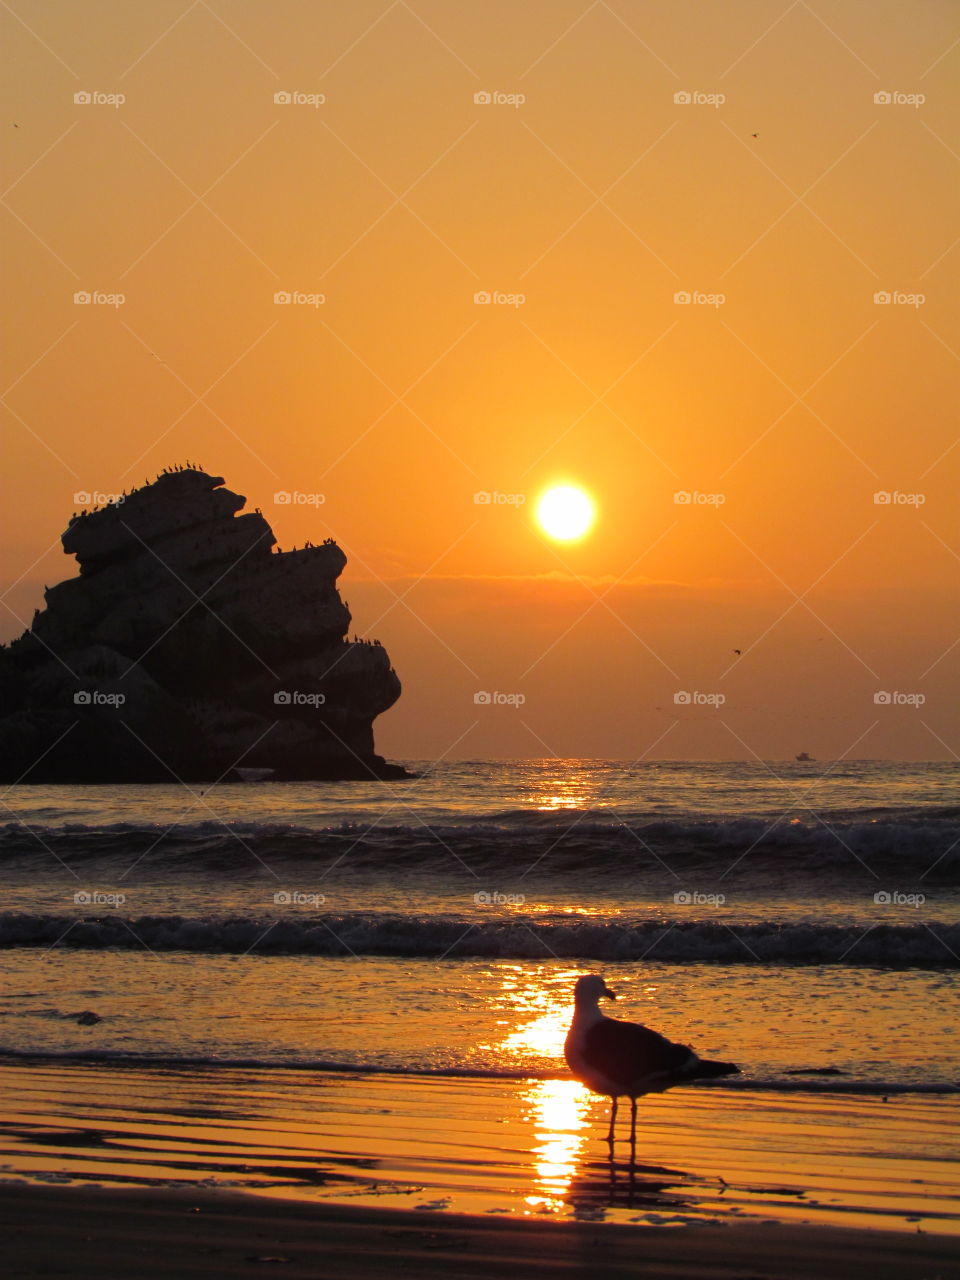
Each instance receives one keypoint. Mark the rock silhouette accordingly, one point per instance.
(188, 649)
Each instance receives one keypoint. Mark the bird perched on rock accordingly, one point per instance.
(624, 1059)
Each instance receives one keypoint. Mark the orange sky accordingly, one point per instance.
(597, 198)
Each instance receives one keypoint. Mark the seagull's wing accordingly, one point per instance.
(626, 1052)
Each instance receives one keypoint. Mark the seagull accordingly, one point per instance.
(624, 1059)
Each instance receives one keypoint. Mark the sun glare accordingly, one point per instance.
(565, 513)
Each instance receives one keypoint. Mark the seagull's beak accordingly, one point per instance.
(608, 992)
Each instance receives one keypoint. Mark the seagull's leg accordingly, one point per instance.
(633, 1131)
(613, 1121)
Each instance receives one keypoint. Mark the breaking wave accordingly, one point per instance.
(923, 843)
(928, 945)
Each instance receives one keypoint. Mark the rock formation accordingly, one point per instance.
(189, 649)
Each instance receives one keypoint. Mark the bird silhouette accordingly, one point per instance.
(624, 1059)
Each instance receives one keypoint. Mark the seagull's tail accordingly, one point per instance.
(705, 1070)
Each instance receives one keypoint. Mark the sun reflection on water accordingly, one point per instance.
(534, 1013)
(564, 790)
(534, 1019)
(560, 1111)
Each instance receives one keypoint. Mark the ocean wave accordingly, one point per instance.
(772, 1084)
(906, 843)
(932, 944)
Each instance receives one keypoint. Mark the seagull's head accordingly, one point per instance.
(589, 989)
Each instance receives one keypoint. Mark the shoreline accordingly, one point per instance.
(815, 1082)
(503, 1149)
(166, 1235)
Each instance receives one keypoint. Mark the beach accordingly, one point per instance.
(323, 1031)
(180, 1171)
(118, 1234)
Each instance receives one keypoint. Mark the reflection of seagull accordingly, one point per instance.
(623, 1059)
(737, 652)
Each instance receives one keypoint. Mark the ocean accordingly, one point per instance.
(801, 919)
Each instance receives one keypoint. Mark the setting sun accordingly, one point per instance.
(565, 513)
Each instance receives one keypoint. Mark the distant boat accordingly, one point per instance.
(804, 756)
(254, 775)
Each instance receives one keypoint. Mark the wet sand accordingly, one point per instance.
(96, 1234)
(506, 1147)
(109, 1170)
